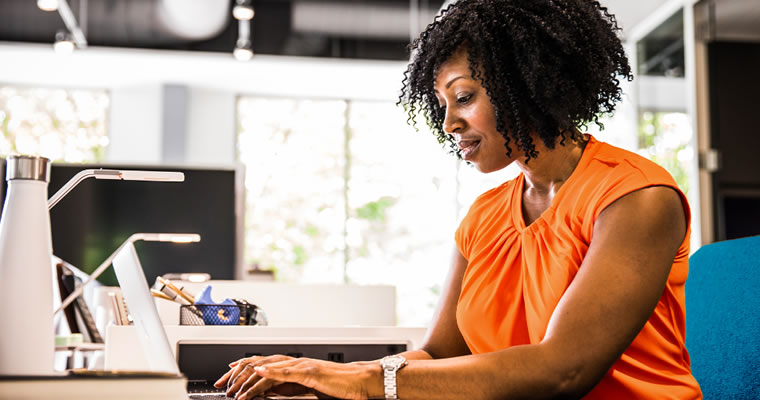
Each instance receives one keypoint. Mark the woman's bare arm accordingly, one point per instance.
(611, 298)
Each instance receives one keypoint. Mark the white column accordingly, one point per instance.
(174, 124)
(135, 124)
(211, 127)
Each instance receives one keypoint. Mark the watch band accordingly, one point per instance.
(389, 383)
(391, 365)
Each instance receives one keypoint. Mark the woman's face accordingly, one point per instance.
(470, 116)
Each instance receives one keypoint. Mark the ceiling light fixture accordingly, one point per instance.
(63, 44)
(77, 36)
(243, 47)
(243, 10)
(47, 5)
(243, 51)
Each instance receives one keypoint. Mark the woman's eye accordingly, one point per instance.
(464, 99)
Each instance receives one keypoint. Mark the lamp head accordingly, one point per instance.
(132, 175)
(168, 237)
(47, 5)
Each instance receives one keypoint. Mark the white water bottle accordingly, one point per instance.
(27, 341)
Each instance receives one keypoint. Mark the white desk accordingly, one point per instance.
(122, 342)
(294, 305)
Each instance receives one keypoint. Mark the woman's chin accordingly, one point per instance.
(488, 168)
(483, 168)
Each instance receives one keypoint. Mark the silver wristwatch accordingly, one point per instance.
(391, 365)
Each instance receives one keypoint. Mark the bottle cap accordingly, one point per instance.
(27, 167)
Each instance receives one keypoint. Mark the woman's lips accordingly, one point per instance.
(468, 148)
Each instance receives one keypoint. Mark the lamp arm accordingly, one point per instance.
(114, 174)
(95, 274)
(78, 178)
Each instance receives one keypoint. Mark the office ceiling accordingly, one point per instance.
(736, 20)
(363, 29)
(732, 20)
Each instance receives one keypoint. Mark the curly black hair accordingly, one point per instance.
(548, 66)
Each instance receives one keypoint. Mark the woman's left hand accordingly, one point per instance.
(358, 380)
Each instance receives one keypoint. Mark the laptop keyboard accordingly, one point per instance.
(203, 390)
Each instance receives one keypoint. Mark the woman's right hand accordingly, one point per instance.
(241, 373)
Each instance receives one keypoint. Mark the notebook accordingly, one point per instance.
(150, 331)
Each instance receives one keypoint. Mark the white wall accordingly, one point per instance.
(662, 93)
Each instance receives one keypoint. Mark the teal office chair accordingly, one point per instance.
(723, 318)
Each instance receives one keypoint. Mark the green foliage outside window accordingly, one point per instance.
(664, 137)
(375, 210)
(63, 125)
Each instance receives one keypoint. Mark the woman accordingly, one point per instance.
(567, 281)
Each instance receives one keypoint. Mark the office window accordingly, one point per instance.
(63, 125)
(295, 213)
(664, 132)
(665, 138)
(665, 128)
(401, 207)
(346, 191)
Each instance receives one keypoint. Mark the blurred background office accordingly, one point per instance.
(296, 100)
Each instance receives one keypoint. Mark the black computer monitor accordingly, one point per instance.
(98, 215)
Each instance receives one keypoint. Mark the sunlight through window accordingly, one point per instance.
(63, 125)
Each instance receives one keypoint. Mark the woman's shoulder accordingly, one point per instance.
(612, 172)
(612, 160)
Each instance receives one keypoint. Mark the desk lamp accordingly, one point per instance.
(148, 237)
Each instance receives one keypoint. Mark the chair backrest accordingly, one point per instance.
(723, 318)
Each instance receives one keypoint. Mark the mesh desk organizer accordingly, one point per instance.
(243, 313)
(229, 312)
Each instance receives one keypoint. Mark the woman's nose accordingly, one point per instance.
(452, 123)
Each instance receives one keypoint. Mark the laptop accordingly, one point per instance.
(150, 331)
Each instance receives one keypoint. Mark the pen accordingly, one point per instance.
(175, 289)
(160, 295)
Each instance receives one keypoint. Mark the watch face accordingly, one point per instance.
(393, 361)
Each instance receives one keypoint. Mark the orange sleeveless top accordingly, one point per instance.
(516, 275)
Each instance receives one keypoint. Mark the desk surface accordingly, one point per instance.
(116, 385)
(120, 386)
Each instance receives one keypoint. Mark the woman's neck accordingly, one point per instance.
(546, 173)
